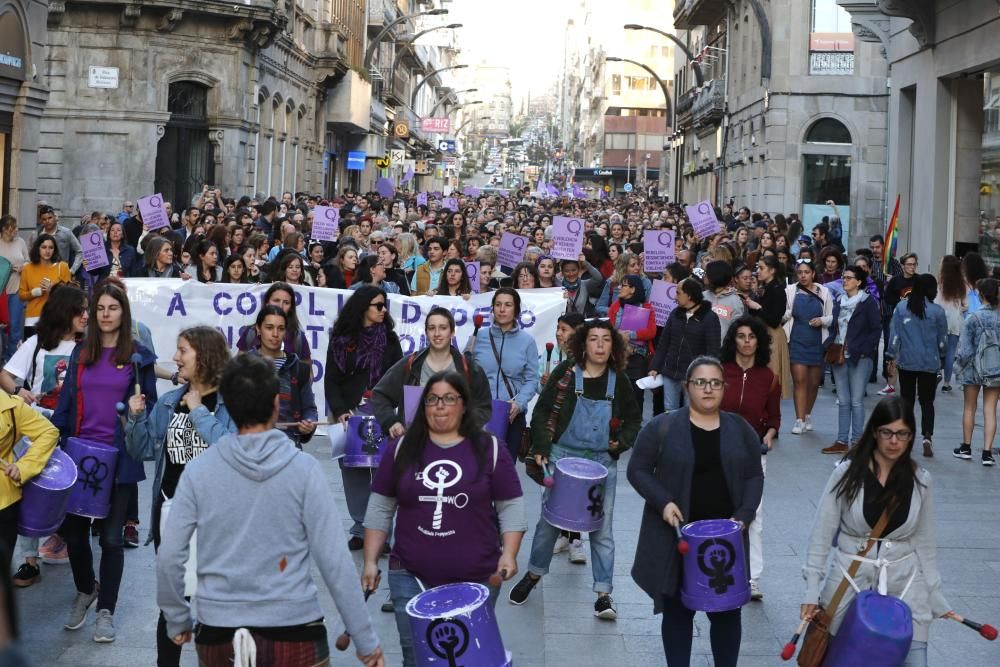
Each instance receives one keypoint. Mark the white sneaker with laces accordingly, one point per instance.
(577, 555)
(797, 427)
(755, 592)
(807, 425)
(561, 545)
(887, 390)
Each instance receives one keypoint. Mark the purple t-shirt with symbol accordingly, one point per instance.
(446, 529)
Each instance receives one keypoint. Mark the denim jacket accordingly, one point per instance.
(918, 344)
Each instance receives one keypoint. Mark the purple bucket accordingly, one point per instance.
(576, 500)
(95, 477)
(365, 442)
(715, 566)
(411, 402)
(44, 498)
(499, 420)
(876, 630)
(455, 624)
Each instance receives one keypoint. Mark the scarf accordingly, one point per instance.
(847, 307)
(369, 349)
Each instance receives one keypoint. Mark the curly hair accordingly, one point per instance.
(211, 352)
(762, 357)
(578, 343)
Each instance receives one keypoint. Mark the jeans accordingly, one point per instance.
(923, 386)
(403, 587)
(602, 542)
(852, 379)
(673, 394)
(76, 531)
(677, 630)
(755, 531)
(949, 358)
(357, 488)
(917, 657)
(15, 334)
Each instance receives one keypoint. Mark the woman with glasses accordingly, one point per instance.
(808, 316)
(693, 464)
(879, 485)
(363, 346)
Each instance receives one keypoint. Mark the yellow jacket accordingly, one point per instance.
(18, 420)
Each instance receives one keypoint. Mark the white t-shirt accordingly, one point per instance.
(49, 369)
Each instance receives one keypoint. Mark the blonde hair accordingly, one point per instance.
(407, 246)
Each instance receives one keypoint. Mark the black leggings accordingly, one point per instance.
(76, 531)
(168, 654)
(922, 386)
(677, 628)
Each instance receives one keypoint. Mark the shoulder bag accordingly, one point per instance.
(532, 469)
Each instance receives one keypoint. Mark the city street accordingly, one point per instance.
(557, 627)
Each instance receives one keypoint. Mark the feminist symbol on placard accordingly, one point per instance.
(96, 239)
(154, 201)
(331, 213)
(716, 558)
(704, 208)
(94, 472)
(664, 238)
(574, 226)
(370, 441)
(518, 242)
(448, 639)
(596, 496)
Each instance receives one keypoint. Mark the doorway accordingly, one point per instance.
(185, 159)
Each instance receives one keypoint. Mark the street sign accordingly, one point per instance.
(383, 162)
(401, 129)
(102, 77)
(356, 160)
(628, 187)
(446, 145)
(397, 156)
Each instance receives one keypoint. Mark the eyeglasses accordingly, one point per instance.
(448, 399)
(380, 305)
(714, 384)
(903, 435)
(847, 276)
(804, 260)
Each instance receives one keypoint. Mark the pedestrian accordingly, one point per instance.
(639, 340)
(205, 265)
(282, 295)
(692, 330)
(973, 270)
(267, 604)
(44, 270)
(444, 450)
(596, 420)
(14, 250)
(101, 373)
(876, 515)
(389, 258)
(769, 306)
(234, 270)
(363, 346)
(807, 319)
(753, 391)
(158, 261)
(291, 269)
(693, 464)
(580, 289)
(726, 302)
(851, 353)
(182, 425)
(455, 280)
(977, 368)
(897, 288)
(427, 275)
(951, 297)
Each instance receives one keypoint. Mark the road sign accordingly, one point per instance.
(446, 145)
(628, 187)
(397, 156)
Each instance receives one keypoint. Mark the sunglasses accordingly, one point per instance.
(380, 305)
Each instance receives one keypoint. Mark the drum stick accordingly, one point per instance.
(344, 640)
(548, 357)
(477, 321)
(984, 629)
(682, 544)
(136, 360)
(497, 578)
(548, 480)
(789, 650)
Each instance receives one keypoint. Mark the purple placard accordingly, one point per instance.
(411, 402)
(567, 237)
(472, 270)
(702, 217)
(384, 187)
(471, 192)
(422, 199)
(408, 176)
(152, 212)
(505, 193)
(663, 298)
(450, 203)
(634, 318)
(95, 256)
(511, 250)
(658, 249)
(326, 223)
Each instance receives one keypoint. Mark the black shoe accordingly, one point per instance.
(605, 608)
(130, 537)
(946, 388)
(355, 543)
(964, 451)
(27, 575)
(519, 594)
(988, 457)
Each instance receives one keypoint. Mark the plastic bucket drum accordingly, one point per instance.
(576, 500)
(455, 624)
(499, 420)
(44, 497)
(715, 567)
(95, 477)
(364, 444)
(876, 630)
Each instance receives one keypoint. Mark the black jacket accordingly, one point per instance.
(685, 338)
(345, 389)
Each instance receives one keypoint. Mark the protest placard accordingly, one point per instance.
(658, 249)
(703, 220)
(663, 298)
(95, 256)
(154, 216)
(567, 237)
(326, 223)
(472, 270)
(511, 250)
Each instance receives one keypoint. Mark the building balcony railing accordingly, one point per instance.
(380, 14)
(391, 86)
(691, 13)
(709, 104)
(831, 63)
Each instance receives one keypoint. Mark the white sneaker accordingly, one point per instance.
(561, 545)
(755, 592)
(797, 427)
(576, 553)
(807, 424)
(887, 390)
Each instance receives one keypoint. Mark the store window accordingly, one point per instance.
(989, 179)
(826, 173)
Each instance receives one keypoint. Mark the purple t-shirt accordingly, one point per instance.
(454, 539)
(102, 385)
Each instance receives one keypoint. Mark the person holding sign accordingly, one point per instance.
(626, 264)
(38, 276)
(635, 320)
(580, 289)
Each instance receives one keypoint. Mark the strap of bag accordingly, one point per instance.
(503, 376)
(31, 369)
(557, 404)
(876, 533)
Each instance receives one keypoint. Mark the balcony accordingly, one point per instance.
(380, 14)
(709, 104)
(391, 87)
(691, 13)
(683, 109)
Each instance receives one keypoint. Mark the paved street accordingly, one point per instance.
(556, 626)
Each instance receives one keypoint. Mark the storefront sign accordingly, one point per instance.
(13, 47)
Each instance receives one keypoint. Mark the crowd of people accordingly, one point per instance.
(764, 308)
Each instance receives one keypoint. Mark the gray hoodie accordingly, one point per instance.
(727, 304)
(261, 508)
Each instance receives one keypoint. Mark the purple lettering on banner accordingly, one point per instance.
(219, 308)
(567, 237)
(658, 249)
(154, 216)
(94, 254)
(472, 270)
(511, 250)
(422, 199)
(703, 220)
(634, 318)
(411, 402)
(450, 203)
(663, 298)
(326, 223)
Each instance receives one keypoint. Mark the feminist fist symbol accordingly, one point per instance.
(448, 639)
(716, 558)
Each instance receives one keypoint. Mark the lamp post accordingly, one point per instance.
(445, 99)
(413, 95)
(411, 40)
(392, 24)
(668, 109)
(681, 45)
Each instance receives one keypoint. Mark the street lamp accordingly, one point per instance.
(666, 92)
(462, 126)
(411, 40)
(681, 45)
(463, 104)
(413, 96)
(392, 24)
(445, 98)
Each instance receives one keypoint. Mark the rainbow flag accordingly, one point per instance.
(891, 238)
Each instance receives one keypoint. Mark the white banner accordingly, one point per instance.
(169, 305)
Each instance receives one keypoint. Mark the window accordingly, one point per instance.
(831, 41)
(828, 16)
(616, 84)
(828, 131)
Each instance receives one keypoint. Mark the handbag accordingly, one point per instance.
(817, 639)
(532, 469)
(834, 354)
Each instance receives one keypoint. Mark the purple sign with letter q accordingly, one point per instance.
(567, 237)
(657, 249)
(94, 254)
(326, 223)
(154, 216)
(511, 250)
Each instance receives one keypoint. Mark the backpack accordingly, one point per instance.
(987, 359)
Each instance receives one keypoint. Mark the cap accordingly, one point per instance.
(805, 239)
(760, 224)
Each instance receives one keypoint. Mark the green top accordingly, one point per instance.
(624, 407)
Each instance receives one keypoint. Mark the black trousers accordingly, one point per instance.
(76, 531)
(923, 387)
(8, 532)
(168, 654)
(677, 628)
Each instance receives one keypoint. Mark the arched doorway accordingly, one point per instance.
(184, 157)
(826, 173)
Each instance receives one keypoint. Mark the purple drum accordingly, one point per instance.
(876, 630)
(365, 442)
(576, 500)
(499, 420)
(44, 498)
(96, 464)
(715, 566)
(455, 624)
